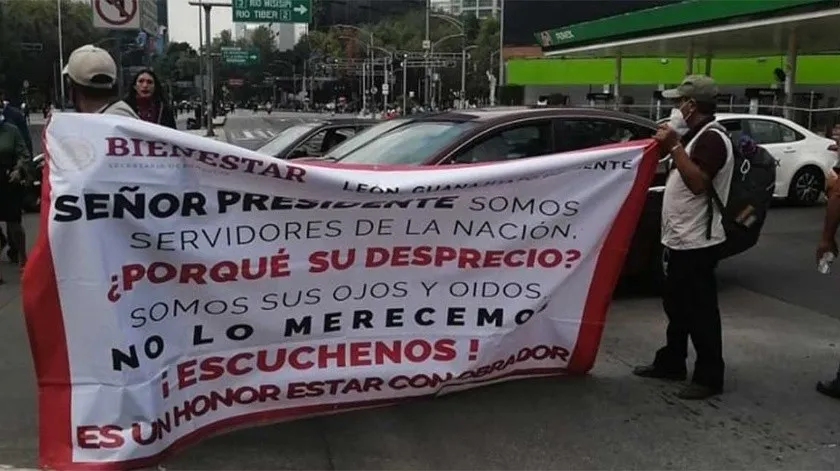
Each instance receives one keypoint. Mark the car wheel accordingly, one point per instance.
(806, 186)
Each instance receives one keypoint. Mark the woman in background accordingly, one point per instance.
(15, 161)
(148, 101)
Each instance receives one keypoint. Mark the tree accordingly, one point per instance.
(36, 21)
(224, 39)
(179, 63)
(483, 58)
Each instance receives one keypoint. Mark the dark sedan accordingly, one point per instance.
(475, 136)
(313, 139)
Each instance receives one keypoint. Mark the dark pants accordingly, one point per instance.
(691, 304)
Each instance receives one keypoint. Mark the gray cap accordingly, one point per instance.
(699, 88)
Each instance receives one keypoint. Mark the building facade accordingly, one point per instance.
(239, 31)
(285, 35)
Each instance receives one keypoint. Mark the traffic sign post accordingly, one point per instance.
(239, 56)
(125, 15)
(272, 11)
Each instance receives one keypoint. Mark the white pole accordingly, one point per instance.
(372, 75)
(427, 88)
(210, 89)
(364, 87)
(463, 93)
(202, 100)
(405, 85)
(501, 42)
(60, 56)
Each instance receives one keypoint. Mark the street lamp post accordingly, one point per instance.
(370, 58)
(426, 87)
(494, 83)
(501, 41)
(464, 48)
(294, 82)
(61, 55)
(202, 99)
(209, 58)
(405, 84)
(210, 87)
(463, 55)
(464, 74)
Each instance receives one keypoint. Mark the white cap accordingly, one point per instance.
(90, 66)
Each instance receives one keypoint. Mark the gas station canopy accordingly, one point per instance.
(704, 28)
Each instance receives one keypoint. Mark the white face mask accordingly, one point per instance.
(677, 122)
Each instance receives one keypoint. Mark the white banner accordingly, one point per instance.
(181, 286)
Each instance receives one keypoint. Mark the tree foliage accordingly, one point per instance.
(36, 21)
(396, 34)
(179, 63)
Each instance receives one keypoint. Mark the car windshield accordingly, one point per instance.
(340, 151)
(285, 139)
(411, 144)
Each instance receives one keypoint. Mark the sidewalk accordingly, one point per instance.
(770, 417)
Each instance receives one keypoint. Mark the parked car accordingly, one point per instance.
(804, 158)
(313, 139)
(473, 136)
(338, 152)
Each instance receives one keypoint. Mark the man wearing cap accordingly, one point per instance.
(92, 75)
(702, 162)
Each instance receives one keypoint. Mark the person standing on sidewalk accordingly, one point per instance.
(16, 117)
(92, 75)
(828, 243)
(148, 100)
(692, 232)
(15, 162)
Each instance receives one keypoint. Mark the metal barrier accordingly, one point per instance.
(818, 120)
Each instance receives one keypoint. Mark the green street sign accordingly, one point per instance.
(239, 56)
(272, 11)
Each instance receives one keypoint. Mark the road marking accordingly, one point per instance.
(270, 132)
(247, 134)
(261, 134)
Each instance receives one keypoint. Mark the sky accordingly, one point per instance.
(183, 21)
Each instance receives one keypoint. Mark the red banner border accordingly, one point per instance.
(45, 326)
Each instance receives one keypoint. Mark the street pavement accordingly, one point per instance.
(782, 331)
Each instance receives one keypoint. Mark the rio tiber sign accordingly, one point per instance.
(272, 11)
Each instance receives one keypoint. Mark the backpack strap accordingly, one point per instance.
(714, 198)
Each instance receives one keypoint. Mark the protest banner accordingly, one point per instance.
(181, 286)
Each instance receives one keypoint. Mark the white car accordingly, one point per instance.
(804, 159)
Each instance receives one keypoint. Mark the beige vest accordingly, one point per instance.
(685, 215)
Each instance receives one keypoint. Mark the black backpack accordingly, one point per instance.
(750, 195)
